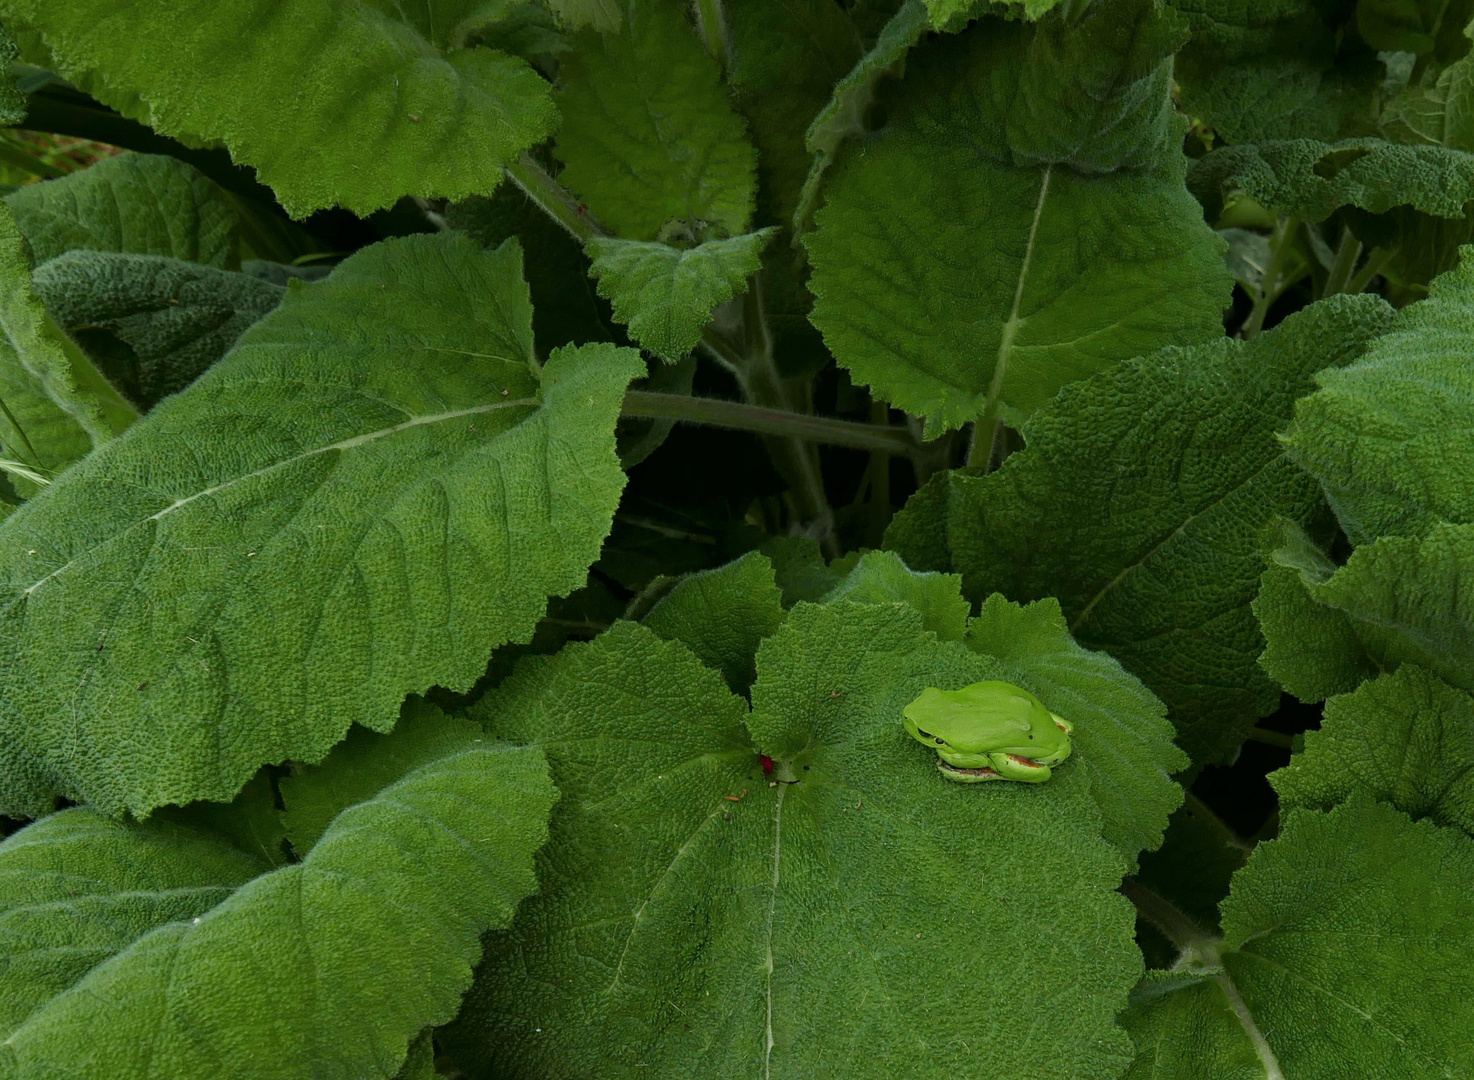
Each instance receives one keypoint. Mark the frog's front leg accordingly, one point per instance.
(1013, 767)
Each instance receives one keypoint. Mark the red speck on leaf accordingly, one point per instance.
(767, 763)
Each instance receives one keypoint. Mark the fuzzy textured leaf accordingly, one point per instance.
(1388, 436)
(1406, 739)
(665, 294)
(378, 490)
(332, 103)
(687, 933)
(1338, 960)
(143, 204)
(132, 941)
(648, 135)
(722, 616)
(1021, 221)
(172, 319)
(1140, 502)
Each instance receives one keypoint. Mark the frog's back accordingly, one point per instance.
(984, 711)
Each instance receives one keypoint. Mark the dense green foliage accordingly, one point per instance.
(481, 481)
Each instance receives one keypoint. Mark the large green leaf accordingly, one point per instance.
(142, 951)
(332, 103)
(371, 492)
(1121, 729)
(1139, 503)
(1388, 436)
(881, 577)
(1312, 179)
(1405, 738)
(1343, 956)
(152, 324)
(57, 406)
(1021, 221)
(145, 204)
(666, 294)
(648, 136)
(701, 919)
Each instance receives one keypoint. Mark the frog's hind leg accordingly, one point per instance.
(1013, 767)
(958, 774)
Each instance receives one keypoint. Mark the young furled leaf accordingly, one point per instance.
(1139, 503)
(1411, 599)
(722, 616)
(695, 910)
(57, 405)
(1122, 733)
(1339, 959)
(143, 204)
(124, 942)
(1405, 738)
(378, 489)
(1388, 436)
(881, 577)
(1310, 648)
(666, 294)
(1000, 237)
(844, 116)
(351, 105)
(648, 136)
(152, 324)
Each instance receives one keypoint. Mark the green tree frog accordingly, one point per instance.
(988, 731)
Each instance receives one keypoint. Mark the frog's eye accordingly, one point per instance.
(929, 735)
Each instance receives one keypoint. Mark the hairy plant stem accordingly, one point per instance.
(1272, 738)
(1204, 813)
(880, 440)
(1338, 277)
(1275, 280)
(711, 23)
(1176, 927)
(554, 199)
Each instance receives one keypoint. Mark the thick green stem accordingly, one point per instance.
(1204, 813)
(1275, 279)
(1176, 927)
(1272, 738)
(880, 475)
(712, 23)
(1376, 262)
(715, 412)
(554, 199)
(1339, 276)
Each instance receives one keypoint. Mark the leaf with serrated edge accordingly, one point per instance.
(1122, 734)
(648, 135)
(694, 912)
(1001, 237)
(881, 577)
(1310, 649)
(1405, 738)
(666, 295)
(1388, 436)
(143, 204)
(1139, 503)
(722, 616)
(1343, 955)
(370, 493)
(336, 104)
(152, 950)
(1312, 179)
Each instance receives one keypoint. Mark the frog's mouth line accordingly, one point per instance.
(974, 774)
